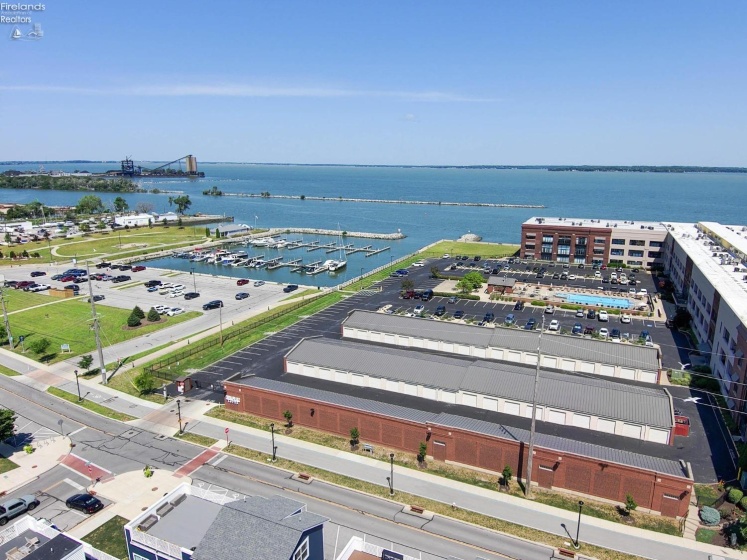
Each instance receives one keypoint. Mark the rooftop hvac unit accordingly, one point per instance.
(643, 227)
(650, 227)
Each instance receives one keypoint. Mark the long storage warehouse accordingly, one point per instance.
(563, 352)
(563, 398)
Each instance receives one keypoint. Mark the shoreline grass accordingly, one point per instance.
(91, 406)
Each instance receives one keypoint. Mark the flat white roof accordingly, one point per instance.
(697, 245)
(736, 236)
(633, 225)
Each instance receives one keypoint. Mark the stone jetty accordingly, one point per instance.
(385, 201)
(316, 231)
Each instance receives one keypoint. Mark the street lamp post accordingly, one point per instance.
(220, 319)
(274, 448)
(578, 525)
(390, 478)
(77, 384)
(179, 414)
(194, 281)
(361, 278)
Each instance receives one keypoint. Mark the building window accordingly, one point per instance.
(547, 239)
(618, 242)
(655, 244)
(632, 253)
(580, 251)
(599, 251)
(617, 252)
(580, 241)
(654, 254)
(564, 250)
(637, 242)
(671, 497)
(634, 263)
(564, 240)
(302, 552)
(138, 557)
(529, 246)
(599, 240)
(531, 235)
(563, 259)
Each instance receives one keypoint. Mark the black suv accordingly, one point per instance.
(290, 288)
(191, 295)
(151, 283)
(440, 310)
(121, 278)
(489, 317)
(215, 304)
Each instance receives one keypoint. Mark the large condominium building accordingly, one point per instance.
(707, 263)
(577, 240)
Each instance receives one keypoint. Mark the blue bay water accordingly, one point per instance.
(620, 196)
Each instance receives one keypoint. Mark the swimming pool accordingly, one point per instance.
(602, 301)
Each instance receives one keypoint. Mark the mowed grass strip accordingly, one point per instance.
(484, 250)
(8, 372)
(18, 300)
(6, 465)
(69, 322)
(110, 537)
(96, 244)
(196, 439)
(445, 510)
(92, 406)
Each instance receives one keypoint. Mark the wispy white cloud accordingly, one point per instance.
(244, 90)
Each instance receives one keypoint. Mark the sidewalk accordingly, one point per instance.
(49, 452)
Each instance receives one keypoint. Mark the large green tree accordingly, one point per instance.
(470, 282)
(182, 203)
(120, 205)
(90, 204)
(7, 423)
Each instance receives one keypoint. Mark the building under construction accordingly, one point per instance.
(185, 166)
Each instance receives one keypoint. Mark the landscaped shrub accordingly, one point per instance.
(734, 495)
(710, 516)
(153, 315)
(138, 312)
(133, 320)
(743, 503)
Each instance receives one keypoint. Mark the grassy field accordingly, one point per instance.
(18, 300)
(110, 537)
(92, 406)
(485, 250)
(705, 535)
(431, 505)
(6, 465)
(707, 495)
(69, 322)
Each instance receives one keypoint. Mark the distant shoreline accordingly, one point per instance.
(579, 168)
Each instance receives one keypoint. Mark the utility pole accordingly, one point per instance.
(96, 326)
(5, 313)
(532, 429)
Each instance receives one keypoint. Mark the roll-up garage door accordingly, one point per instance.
(607, 426)
(631, 430)
(469, 399)
(556, 417)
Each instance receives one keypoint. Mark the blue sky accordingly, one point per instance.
(411, 82)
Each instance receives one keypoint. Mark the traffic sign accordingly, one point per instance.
(226, 430)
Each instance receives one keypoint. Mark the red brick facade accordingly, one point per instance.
(658, 492)
(531, 241)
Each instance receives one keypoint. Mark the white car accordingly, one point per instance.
(167, 285)
(613, 275)
(419, 309)
(625, 318)
(175, 311)
(580, 313)
(597, 274)
(419, 263)
(602, 316)
(164, 291)
(643, 292)
(572, 277)
(178, 287)
(550, 309)
(603, 332)
(39, 288)
(554, 325)
(446, 256)
(161, 309)
(177, 293)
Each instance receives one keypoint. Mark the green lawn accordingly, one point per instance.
(97, 244)
(6, 465)
(485, 250)
(110, 537)
(196, 438)
(8, 372)
(92, 406)
(18, 300)
(705, 535)
(69, 322)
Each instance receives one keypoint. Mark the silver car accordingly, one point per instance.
(17, 506)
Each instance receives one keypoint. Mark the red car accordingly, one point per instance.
(137, 268)
(242, 282)
(67, 278)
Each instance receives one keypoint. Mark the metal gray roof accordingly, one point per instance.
(374, 407)
(564, 445)
(268, 528)
(501, 431)
(623, 355)
(565, 391)
(501, 281)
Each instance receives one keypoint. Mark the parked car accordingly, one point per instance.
(440, 310)
(40, 288)
(103, 265)
(124, 267)
(17, 506)
(153, 289)
(603, 332)
(175, 311)
(554, 325)
(402, 272)
(427, 295)
(97, 297)
(85, 503)
(242, 282)
(58, 277)
(588, 329)
(603, 315)
(580, 313)
(577, 329)
(161, 309)
(37, 273)
(191, 295)
(458, 314)
(519, 306)
(23, 284)
(290, 288)
(550, 309)
(419, 309)
(176, 293)
(215, 304)
(242, 295)
(73, 287)
(452, 299)
(531, 324)
(489, 317)
(151, 283)
(259, 283)
(419, 263)
(615, 335)
(138, 268)
(121, 278)
(80, 280)
(591, 314)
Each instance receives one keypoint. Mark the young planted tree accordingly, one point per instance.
(288, 415)
(507, 475)
(355, 435)
(85, 362)
(133, 320)
(153, 315)
(144, 382)
(138, 312)
(630, 504)
(422, 451)
(407, 285)
(39, 346)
